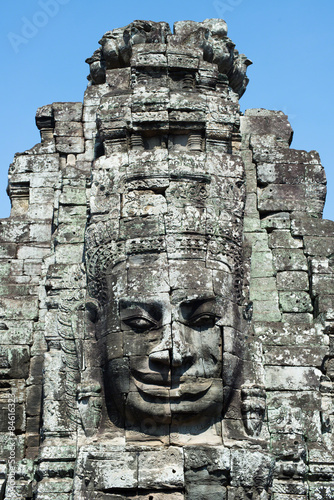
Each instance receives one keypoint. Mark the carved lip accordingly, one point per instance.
(184, 390)
(152, 379)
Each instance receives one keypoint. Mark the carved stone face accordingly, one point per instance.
(163, 347)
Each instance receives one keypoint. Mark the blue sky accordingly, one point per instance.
(44, 44)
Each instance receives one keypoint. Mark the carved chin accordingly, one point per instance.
(162, 405)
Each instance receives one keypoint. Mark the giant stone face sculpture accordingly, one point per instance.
(167, 287)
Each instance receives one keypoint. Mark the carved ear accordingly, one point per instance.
(93, 310)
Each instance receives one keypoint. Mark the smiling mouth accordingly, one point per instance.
(186, 389)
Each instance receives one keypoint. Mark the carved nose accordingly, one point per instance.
(162, 357)
(161, 353)
(180, 348)
(172, 350)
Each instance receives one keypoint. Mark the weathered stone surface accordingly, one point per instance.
(293, 280)
(161, 469)
(292, 378)
(289, 260)
(295, 301)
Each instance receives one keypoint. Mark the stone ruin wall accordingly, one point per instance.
(168, 104)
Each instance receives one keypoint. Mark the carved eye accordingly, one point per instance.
(139, 324)
(203, 321)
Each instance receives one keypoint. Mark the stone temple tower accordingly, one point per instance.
(167, 289)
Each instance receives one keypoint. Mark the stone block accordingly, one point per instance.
(280, 153)
(16, 332)
(18, 289)
(325, 306)
(280, 173)
(55, 485)
(138, 227)
(8, 250)
(40, 196)
(258, 241)
(33, 267)
(69, 233)
(261, 265)
(274, 333)
(32, 251)
(263, 289)
(297, 318)
(89, 112)
(281, 220)
(70, 253)
(55, 417)
(54, 496)
(289, 259)
(292, 280)
(322, 472)
(149, 59)
(13, 231)
(245, 465)
(320, 265)
(42, 163)
(67, 111)
(206, 492)
(283, 239)
(52, 453)
(286, 496)
(42, 212)
(264, 122)
(295, 356)
(69, 145)
(318, 245)
(158, 118)
(295, 412)
(40, 233)
(282, 197)
(322, 284)
(117, 80)
(19, 308)
(308, 335)
(190, 275)
(295, 301)
(114, 471)
(292, 378)
(45, 180)
(161, 469)
(144, 279)
(68, 129)
(68, 213)
(288, 446)
(321, 490)
(34, 400)
(206, 465)
(252, 223)
(139, 203)
(14, 361)
(90, 130)
(266, 310)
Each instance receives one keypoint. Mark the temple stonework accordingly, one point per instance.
(167, 288)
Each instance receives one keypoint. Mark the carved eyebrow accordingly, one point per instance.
(190, 307)
(129, 308)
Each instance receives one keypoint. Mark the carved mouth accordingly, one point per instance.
(185, 390)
